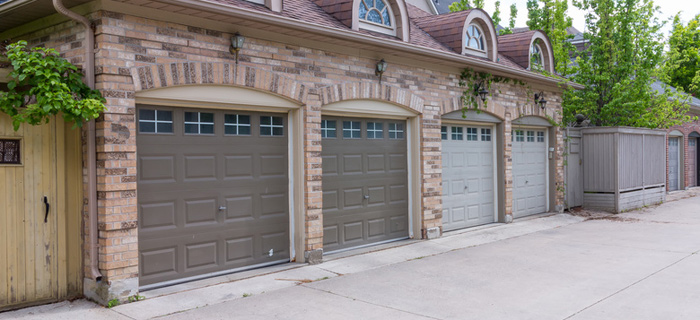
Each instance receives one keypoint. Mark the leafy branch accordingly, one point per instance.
(472, 82)
(43, 85)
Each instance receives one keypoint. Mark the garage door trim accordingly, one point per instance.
(494, 141)
(546, 155)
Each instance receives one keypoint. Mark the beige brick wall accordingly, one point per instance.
(135, 53)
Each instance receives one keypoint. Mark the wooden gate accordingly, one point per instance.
(40, 204)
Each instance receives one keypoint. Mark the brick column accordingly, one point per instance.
(313, 193)
(508, 168)
(431, 180)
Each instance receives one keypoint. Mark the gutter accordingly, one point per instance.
(392, 45)
(89, 69)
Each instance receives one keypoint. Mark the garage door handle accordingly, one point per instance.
(366, 197)
(222, 208)
(526, 181)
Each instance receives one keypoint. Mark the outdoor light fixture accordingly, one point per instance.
(539, 99)
(236, 44)
(380, 68)
(481, 91)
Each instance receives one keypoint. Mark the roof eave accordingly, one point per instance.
(362, 38)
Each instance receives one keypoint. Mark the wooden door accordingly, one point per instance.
(31, 246)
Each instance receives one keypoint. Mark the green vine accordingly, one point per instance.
(43, 85)
(472, 82)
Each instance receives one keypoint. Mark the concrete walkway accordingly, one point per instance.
(637, 265)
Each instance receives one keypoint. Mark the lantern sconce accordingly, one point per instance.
(236, 44)
(379, 69)
(539, 99)
(481, 91)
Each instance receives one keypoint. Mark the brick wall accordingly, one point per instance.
(134, 53)
(686, 129)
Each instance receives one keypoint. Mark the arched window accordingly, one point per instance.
(536, 58)
(376, 15)
(475, 39)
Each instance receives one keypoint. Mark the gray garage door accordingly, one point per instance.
(529, 171)
(673, 164)
(365, 181)
(212, 192)
(467, 176)
(692, 162)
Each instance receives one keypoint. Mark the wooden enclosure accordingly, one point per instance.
(40, 214)
(622, 168)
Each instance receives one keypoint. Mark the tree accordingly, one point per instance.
(617, 69)
(463, 5)
(552, 18)
(43, 85)
(682, 66)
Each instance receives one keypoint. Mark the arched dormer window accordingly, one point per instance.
(376, 15)
(536, 57)
(475, 40)
(479, 35)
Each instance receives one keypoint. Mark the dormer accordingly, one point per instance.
(274, 5)
(389, 17)
(530, 49)
(469, 32)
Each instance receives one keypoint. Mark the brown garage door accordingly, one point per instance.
(365, 181)
(212, 192)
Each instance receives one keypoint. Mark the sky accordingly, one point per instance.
(688, 9)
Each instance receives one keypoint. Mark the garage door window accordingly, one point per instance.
(328, 128)
(9, 151)
(519, 136)
(472, 134)
(540, 136)
(271, 126)
(155, 121)
(443, 132)
(375, 130)
(457, 133)
(531, 136)
(199, 123)
(351, 129)
(485, 134)
(691, 142)
(237, 124)
(395, 130)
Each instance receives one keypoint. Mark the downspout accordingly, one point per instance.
(89, 69)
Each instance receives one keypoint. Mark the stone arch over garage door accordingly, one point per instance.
(193, 73)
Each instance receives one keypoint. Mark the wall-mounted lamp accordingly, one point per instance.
(481, 91)
(539, 99)
(236, 44)
(379, 69)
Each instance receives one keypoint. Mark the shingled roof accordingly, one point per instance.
(445, 28)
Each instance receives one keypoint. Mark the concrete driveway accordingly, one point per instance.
(638, 265)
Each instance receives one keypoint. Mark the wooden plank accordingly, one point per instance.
(4, 284)
(73, 193)
(61, 258)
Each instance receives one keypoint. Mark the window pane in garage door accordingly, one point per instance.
(211, 198)
(365, 183)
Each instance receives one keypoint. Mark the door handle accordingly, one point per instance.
(46, 216)
(222, 208)
(366, 196)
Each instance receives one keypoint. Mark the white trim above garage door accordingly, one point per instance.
(530, 170)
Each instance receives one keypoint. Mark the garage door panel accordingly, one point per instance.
(352, 164)
(200, 255)
(200, 211)
(239, 250)
(159, 215)
(200, 167)
(376, 227)
(184, 181)
(353, 231)
(467, 176)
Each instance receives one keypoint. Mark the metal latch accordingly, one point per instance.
(222, 208)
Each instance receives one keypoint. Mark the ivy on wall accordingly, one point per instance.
(472, 82)
(42, 84)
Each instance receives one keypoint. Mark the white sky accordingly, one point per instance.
(688, 9)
